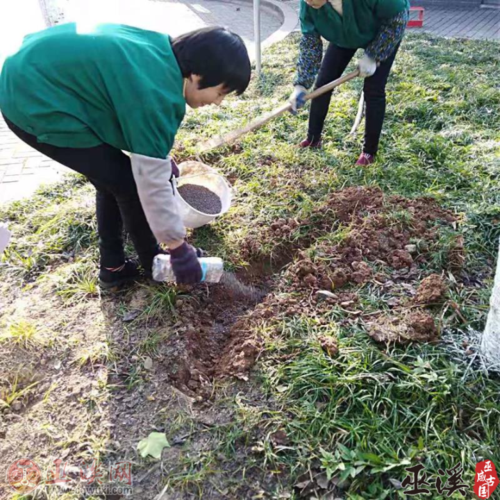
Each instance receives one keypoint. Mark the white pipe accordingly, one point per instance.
(256, 30)
(490, 343)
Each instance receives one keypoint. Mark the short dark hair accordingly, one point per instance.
(217, 55)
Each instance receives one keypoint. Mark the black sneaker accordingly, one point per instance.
(112, 279)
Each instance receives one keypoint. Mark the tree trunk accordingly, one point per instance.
(490, 344)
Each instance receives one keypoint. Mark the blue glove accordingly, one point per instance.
(298, 98)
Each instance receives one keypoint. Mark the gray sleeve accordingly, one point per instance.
(152, 176)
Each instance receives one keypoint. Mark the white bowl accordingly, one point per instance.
(194, 172)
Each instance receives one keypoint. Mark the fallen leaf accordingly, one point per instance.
(153, 445)
(397, 484)
(325, 294)
(148, 363)
(130, 316)
(322, 481)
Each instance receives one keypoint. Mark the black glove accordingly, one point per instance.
(185, 264)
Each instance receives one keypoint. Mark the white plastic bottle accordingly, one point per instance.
(211, 267)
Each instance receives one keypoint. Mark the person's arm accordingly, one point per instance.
(389, 36)
(152, 177)
(310, 49)
(310, 57)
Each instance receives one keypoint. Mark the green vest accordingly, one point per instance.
(357, 27)
(116, 85)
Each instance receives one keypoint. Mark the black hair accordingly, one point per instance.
(217, 55)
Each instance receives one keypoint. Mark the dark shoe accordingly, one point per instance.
(365, 159)
(310, 144)
(111, 279)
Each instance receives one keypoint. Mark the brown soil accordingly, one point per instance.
(375, 236)
(416, 326)
(432, 290)
(216, 338)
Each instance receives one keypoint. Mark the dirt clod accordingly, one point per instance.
(416, 326)
(201, 198)
(401, 259)
(362, 272)
(329, 345)
(432, 290)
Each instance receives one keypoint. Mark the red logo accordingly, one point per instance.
(24, 476)
(486, 479)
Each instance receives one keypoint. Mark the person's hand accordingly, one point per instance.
(367, 66)
(175, 168)
(185, 264)
(297, 99)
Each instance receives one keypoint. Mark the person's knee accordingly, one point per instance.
(374, 94)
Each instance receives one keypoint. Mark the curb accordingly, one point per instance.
(289, 23)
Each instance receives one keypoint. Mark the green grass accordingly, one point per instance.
(23, 332)
(365, 415)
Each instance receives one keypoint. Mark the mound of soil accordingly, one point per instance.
(432, 290)
(218, 326)
(416, 326)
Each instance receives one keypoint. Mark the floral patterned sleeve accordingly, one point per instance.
(390, 34)
(310, 57)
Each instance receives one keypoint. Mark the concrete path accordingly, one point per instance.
(23, 170)
(479, 24)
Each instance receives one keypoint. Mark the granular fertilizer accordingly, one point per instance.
(201, 198)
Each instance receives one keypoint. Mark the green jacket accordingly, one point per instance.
(117, 85)
(357, 27)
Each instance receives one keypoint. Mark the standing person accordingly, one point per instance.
(377, 26)
(82, 97)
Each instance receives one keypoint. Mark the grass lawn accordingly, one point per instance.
(297, 393)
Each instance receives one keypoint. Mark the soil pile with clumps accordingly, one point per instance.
(201, 198)
(432, 290)
(374, 241)
(416, 326)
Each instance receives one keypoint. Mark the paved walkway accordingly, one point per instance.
(483, 24)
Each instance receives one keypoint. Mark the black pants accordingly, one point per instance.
(117, 200)
(334, 63)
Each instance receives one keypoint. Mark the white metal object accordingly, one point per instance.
(194, 172)
(490, 343)
(359, 115)
(257, 36)
(212, 269)
(4, 237)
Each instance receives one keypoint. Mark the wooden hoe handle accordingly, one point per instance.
(230, 137)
